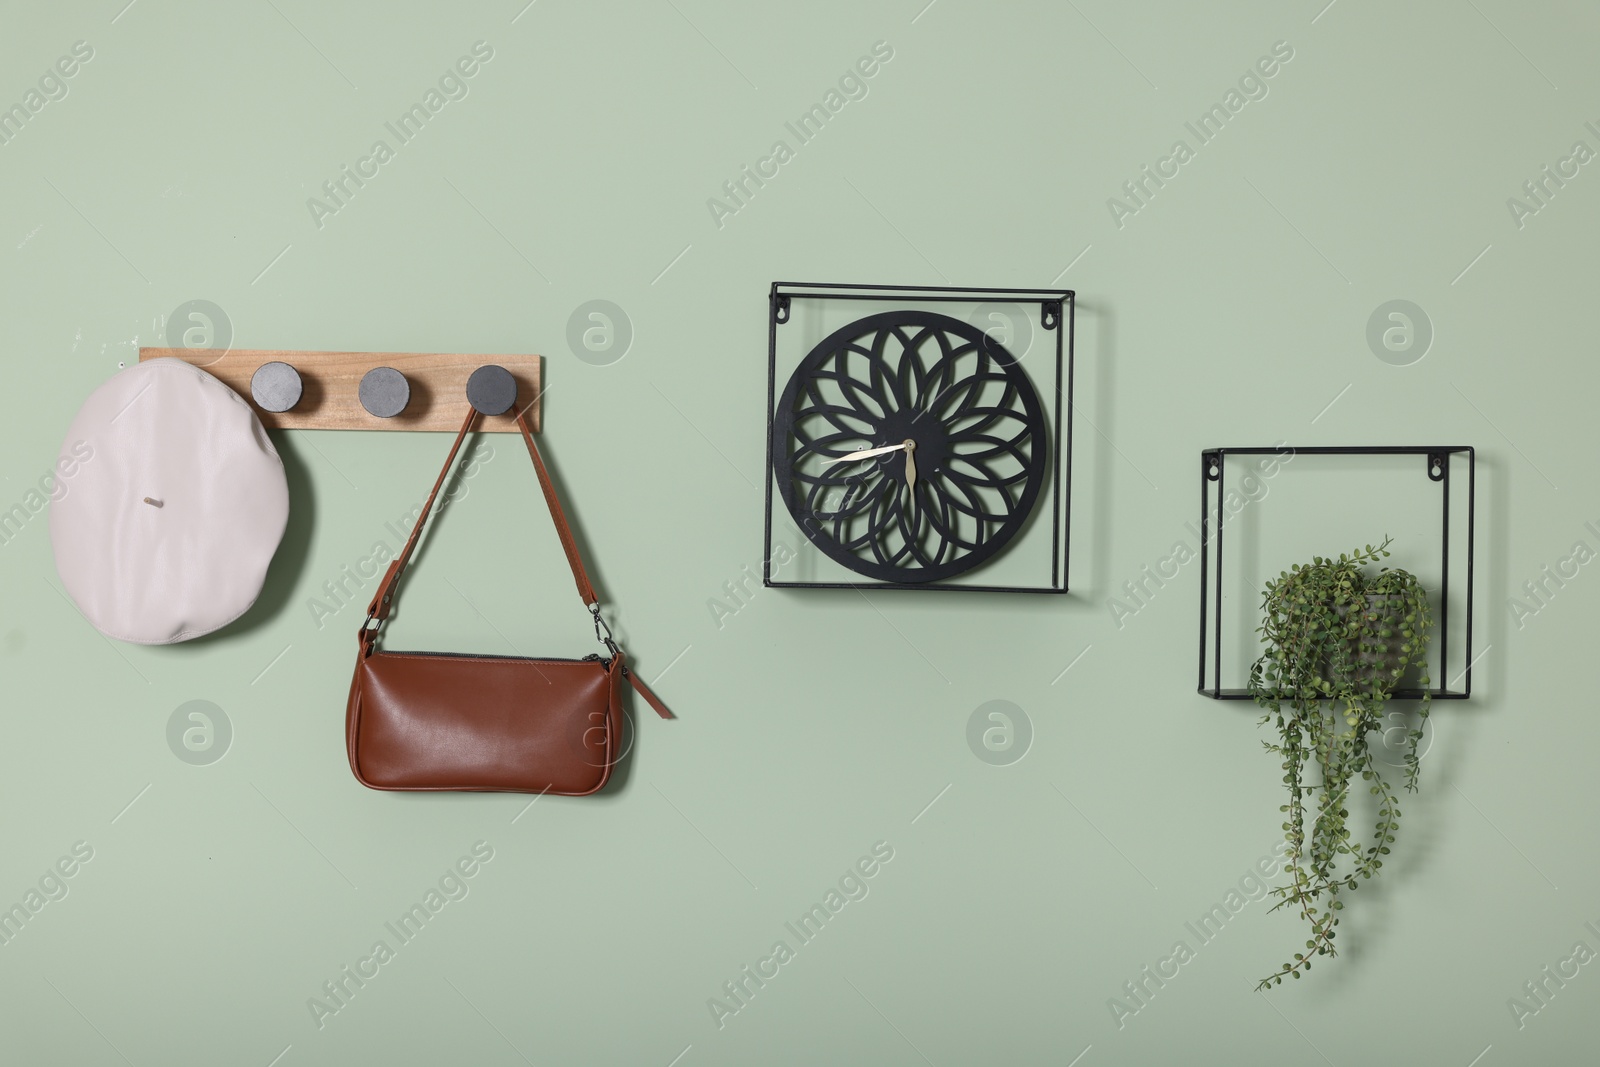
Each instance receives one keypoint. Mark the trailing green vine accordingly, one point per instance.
(1338, 640)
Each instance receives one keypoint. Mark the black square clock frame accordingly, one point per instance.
(1055, 316)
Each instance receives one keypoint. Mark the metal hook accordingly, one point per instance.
(599, 625)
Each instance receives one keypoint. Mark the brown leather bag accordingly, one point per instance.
(448, 721)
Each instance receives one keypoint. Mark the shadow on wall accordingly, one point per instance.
(1088, 542)
(1103, 427)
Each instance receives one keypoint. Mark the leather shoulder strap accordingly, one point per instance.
(389, 588)
(378, 610)
(568, 542)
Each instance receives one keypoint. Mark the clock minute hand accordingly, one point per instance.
(865, 453)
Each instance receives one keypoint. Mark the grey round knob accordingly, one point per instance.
(492, 390)
(276, 386)
(384, 392)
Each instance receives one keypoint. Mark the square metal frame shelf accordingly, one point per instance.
(1057, 314)
(1436, 468)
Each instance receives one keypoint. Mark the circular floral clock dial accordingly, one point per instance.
(909, 446)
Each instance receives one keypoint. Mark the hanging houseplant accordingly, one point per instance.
(1338, 639)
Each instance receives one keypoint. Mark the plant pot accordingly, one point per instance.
(1375, 666)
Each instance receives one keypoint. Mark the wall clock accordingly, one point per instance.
(911, 447)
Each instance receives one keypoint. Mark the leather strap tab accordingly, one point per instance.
(649, 697)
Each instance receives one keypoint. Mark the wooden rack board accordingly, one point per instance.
(332, 379)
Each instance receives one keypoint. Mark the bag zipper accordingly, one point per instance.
(592, 657)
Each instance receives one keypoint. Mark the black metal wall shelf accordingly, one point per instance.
(1435, 466)
(1051, 313)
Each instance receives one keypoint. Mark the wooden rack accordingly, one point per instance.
(331, 381)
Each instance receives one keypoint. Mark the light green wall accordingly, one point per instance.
(1230, 309)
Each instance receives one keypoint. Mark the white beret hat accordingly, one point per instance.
(175, 504)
